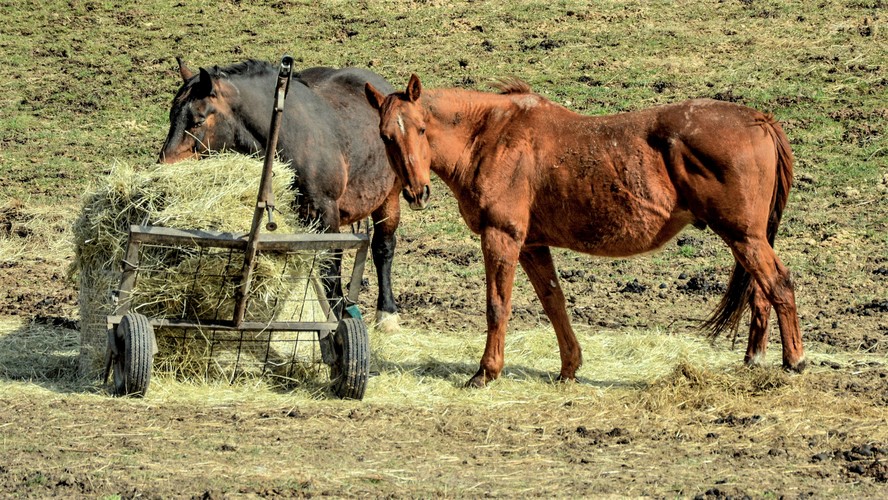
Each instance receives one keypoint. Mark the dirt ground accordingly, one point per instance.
(69, 442)
(247, 450)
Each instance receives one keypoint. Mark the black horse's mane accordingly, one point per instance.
(250, 67)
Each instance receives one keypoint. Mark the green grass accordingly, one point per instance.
(92, 81)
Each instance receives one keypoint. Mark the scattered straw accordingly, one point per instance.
(31, 351)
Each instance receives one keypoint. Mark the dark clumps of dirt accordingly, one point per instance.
(721, 493)
(865, 460)
(12, 220)
(459, 258)
(574, 276)
(867, 309)
(53, 303)
(870, 384)
(729, 96)
(596, 437)
(702, 285)
(861, 134)
(633, 287)
(689, 241)
(734, 421)
(56, 321)
(805, 182)
(535, 42)
(876, 470)
(417, 301)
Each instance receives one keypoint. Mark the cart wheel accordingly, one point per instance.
(135, 354)
(351, 369)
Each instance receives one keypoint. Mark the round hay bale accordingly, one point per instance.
(216, 194)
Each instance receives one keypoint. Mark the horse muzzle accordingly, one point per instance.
(417, 202)
(175, 157)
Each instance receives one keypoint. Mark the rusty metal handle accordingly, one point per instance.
(266, 194)
(265, 198)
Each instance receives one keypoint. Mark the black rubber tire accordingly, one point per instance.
(352, 367)
(135, 356)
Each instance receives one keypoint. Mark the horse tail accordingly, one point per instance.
(733, 305)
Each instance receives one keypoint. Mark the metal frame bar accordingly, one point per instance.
(267, 242)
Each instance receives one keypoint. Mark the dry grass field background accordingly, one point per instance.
(659, 410)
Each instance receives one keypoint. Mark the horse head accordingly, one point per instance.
(402, 127)
(200, 117)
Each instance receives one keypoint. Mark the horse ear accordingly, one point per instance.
(204, 85)
(374, 97)
(414, 88)
(184, 71)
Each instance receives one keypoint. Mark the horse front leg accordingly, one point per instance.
(537, 263)
(382, 246)
(500, 258)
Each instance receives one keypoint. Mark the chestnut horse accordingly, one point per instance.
(529, 174)
(329, 134)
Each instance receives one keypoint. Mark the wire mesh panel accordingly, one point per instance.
(211, 354)
(198, 287)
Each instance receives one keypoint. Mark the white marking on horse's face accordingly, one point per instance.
(401, 124)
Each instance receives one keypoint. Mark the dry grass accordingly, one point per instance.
(649, 408)
(41, 353)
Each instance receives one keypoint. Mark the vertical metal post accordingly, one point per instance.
(265, 198)
(130, 266)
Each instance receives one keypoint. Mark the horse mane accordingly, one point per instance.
(511, 85)
(250, 67)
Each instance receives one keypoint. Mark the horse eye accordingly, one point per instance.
(422, 131)
(197, 123)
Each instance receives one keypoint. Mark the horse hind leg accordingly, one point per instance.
(772, 280)
(758, 327)
(537, 263)
(324, 215)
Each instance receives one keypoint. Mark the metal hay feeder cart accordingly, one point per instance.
(342, 336)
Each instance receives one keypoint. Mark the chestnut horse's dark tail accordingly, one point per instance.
(730, 310)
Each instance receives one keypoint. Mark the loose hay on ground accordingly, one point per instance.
(31, 351)
(216, 194)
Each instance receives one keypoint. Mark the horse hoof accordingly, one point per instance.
(387, 322)
(478, 381)
(798, 367)
(754, 361)
(565, 380)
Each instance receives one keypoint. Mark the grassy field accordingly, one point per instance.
(658, 411)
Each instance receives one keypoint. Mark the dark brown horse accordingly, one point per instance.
(529, 174)
(329, 134)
